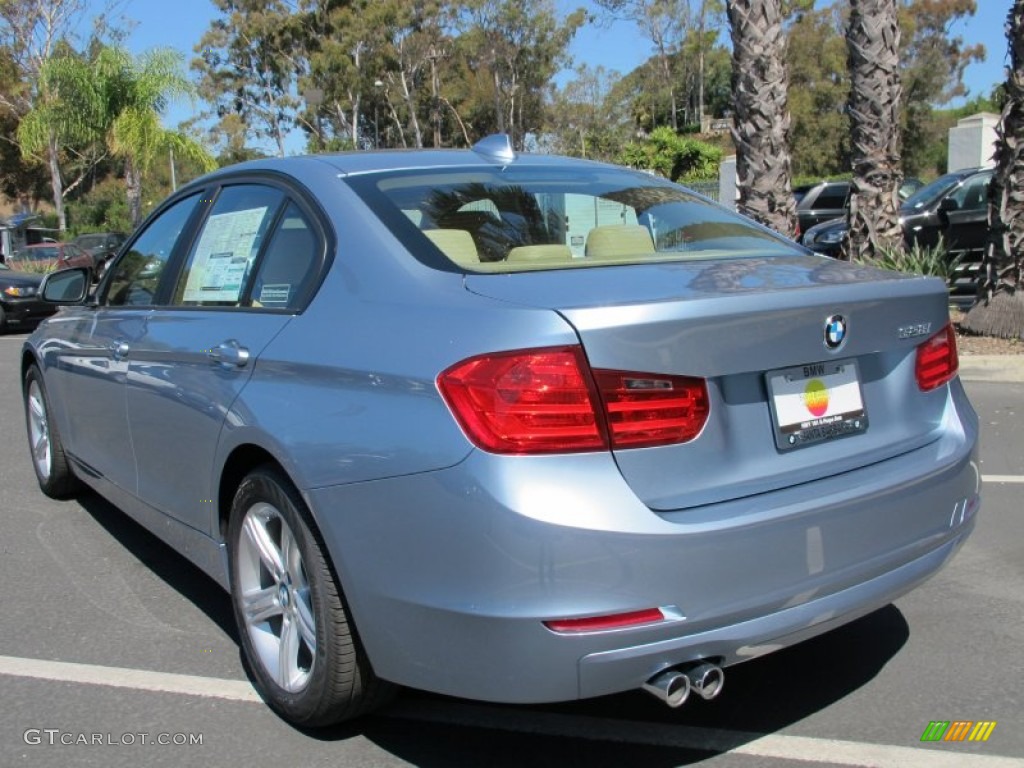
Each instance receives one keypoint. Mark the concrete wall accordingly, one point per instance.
(972, 142)
(727, 191)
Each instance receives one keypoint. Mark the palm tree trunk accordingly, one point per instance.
(760, 128)
(56, 182)
(1000, 311)
(133, 188)
(873, 41)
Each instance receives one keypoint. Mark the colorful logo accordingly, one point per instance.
(958, 730)
(816, 397)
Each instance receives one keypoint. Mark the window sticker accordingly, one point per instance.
(223, 255)
(275, 294)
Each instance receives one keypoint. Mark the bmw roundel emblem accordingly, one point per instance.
(835, 331)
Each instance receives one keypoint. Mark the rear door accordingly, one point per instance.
(965, 232)
(247, 271)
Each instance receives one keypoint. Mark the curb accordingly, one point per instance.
(992, 368)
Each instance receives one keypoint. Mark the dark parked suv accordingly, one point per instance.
(953, 207)
(102, 246)
(826, 200)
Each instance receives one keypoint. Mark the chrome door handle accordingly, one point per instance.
(229, 353)
(119, 349)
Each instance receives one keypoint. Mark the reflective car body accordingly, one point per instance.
(20, 302)
(534, 409)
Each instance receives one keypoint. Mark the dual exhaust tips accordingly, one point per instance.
(673, 686)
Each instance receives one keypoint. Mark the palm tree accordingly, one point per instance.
(873, 40)
(118, 101)
(138, 92)
(761, 114)
(1000, 310)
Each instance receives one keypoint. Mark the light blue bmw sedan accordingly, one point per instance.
(511, 428)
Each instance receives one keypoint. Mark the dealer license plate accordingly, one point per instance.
(816, 402)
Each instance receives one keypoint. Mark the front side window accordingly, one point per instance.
(517, 219)
(973, 194)
(832, 198)
(137, 273)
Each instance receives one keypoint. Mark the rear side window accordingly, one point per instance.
(973, 195)
(289, 266)
(516, 219)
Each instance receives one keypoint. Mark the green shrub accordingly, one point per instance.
(919, 260)
(675, 157)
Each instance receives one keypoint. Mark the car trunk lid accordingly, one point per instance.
(741, 324)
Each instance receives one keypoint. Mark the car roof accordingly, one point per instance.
(374, 161)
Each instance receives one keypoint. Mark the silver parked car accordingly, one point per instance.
(512, 428)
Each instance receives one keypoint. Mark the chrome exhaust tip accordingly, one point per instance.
(706, 680)
(671, 686)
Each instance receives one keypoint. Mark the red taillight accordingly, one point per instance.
(529, 401)
(612, 621)
(645, 410)
(937, 361)
(545, 401)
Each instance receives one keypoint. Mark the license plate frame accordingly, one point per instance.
(816, 403)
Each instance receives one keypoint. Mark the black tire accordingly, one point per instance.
(56, 478)
(332, 683)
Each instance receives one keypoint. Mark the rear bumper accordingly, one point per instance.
(450, 574)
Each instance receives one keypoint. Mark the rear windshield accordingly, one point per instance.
(517, 219)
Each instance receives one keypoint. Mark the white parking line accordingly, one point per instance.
(1002, 478)
(137, 679)
(777, 746)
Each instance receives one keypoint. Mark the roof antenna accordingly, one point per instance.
(497, 147)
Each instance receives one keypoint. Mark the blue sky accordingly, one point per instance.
(181, 23)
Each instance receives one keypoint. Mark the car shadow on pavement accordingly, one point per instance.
(760, 697)
(174, 569)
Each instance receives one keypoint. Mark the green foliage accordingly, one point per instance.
(818, 90)
(919, 260)
(675, 157)
(102, 209)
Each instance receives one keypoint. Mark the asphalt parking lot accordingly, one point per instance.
(114, 651)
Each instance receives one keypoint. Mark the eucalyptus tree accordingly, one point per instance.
(873, 41)
(1000, 309)
(664, 23)
(248, 63)
(761, 118)
(509, 50)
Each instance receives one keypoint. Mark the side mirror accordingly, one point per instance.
(68, 286)
(948, 204)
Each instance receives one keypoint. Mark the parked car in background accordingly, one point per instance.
(20, 301)
(516, 428)
(102, 246)
(953, 208)
(48, 257)
(827, 200)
